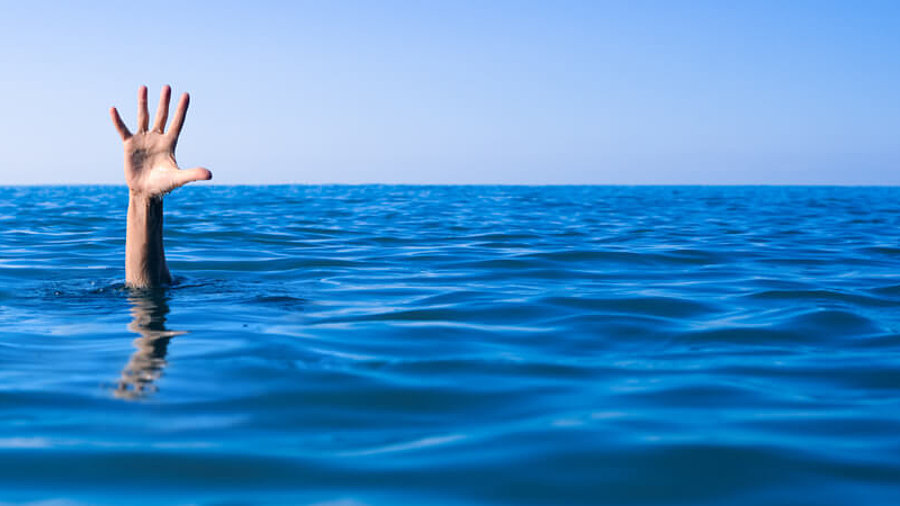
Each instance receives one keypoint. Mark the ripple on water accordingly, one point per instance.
(457, 345)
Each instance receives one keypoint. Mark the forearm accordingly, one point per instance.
(145, 260)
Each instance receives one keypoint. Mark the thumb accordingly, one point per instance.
(189, 175)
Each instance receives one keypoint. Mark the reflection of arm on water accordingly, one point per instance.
(149, 309)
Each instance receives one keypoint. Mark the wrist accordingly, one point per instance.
(142, 196)
(144, 211)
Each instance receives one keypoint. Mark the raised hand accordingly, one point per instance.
(151, 172)
(150, 167)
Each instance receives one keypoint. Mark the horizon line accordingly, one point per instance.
(224, 185)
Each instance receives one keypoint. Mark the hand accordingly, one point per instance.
(150, 167)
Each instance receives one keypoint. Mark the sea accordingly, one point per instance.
(454, 345)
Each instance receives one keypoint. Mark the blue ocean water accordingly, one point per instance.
(455, 345)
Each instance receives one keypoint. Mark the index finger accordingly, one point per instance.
(119, 124)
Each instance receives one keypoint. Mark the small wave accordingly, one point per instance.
(656, 306)
(832, 323)
(417, 444)
(795, 296)
(746, 336)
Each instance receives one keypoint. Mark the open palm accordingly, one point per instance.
(150, 167)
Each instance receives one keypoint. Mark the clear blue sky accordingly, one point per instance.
(454, 91)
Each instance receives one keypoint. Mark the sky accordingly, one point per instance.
(462, 92)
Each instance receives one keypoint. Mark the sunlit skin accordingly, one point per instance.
(151, 172)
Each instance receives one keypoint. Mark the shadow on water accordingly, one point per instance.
(149, 309)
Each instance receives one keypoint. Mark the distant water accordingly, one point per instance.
(455, 345)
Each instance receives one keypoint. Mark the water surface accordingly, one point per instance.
(455, 345)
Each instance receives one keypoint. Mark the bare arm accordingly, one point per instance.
(151, 172)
